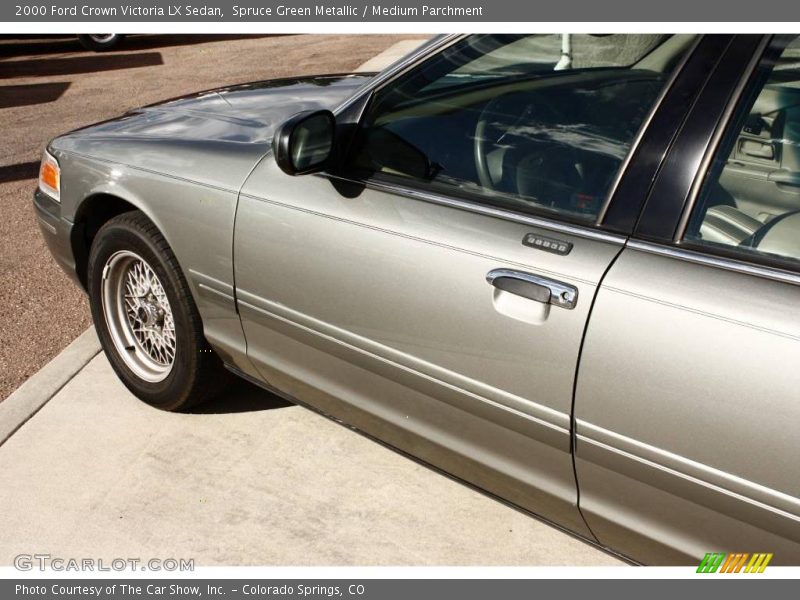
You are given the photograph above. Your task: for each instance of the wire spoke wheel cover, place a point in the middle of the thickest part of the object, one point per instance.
(138, 316)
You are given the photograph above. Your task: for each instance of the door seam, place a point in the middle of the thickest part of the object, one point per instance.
(573, 438)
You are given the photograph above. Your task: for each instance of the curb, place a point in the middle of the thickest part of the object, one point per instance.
(392, 54)
(38, 389)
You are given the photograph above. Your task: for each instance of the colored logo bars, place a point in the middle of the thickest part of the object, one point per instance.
(734, 563)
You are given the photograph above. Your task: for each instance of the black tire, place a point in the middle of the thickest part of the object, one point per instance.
(196, 372)
(100, 42)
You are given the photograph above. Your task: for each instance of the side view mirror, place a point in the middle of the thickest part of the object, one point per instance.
(304, 143)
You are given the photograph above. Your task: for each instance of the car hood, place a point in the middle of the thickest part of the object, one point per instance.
(245, 113)
(216, 134)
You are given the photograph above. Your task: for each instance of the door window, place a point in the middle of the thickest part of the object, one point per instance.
(535, 123)
(749, 204)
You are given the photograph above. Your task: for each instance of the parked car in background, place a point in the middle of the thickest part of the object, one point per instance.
(571, 283)
(100, 42)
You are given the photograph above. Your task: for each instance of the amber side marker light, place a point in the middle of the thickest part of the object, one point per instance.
(50, 177)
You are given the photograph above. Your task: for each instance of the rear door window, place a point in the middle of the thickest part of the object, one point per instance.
(749, 204)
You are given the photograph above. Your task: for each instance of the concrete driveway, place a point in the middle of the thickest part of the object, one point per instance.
(250, 480)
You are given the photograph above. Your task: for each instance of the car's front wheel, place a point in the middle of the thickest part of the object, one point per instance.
(146, 318)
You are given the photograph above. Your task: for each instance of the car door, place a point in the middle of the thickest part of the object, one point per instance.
(432, 290)
(687, 394)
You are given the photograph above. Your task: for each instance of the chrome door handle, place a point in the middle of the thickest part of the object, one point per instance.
(534, 287)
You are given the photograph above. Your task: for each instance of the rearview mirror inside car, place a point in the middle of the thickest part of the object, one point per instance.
(304, 143)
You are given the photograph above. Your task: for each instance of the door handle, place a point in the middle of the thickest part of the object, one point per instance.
(785, 177)
(534, 287)
(757, 149)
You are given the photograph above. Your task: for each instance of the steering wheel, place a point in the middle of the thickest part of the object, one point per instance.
(503, 115)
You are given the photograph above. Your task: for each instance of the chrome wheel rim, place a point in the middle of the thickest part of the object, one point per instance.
(138, 316)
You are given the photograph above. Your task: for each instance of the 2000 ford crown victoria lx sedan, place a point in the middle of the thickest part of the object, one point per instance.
(569, 280)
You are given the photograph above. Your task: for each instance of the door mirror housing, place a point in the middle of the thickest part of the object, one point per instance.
(304, 143)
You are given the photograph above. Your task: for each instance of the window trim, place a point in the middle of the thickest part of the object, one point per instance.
(679, 166)
(719, 133)
(387, 76)
(357, 105)
(694, 254)
(631, 197)
(586, 230)
(640, 135)
(766, 266)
